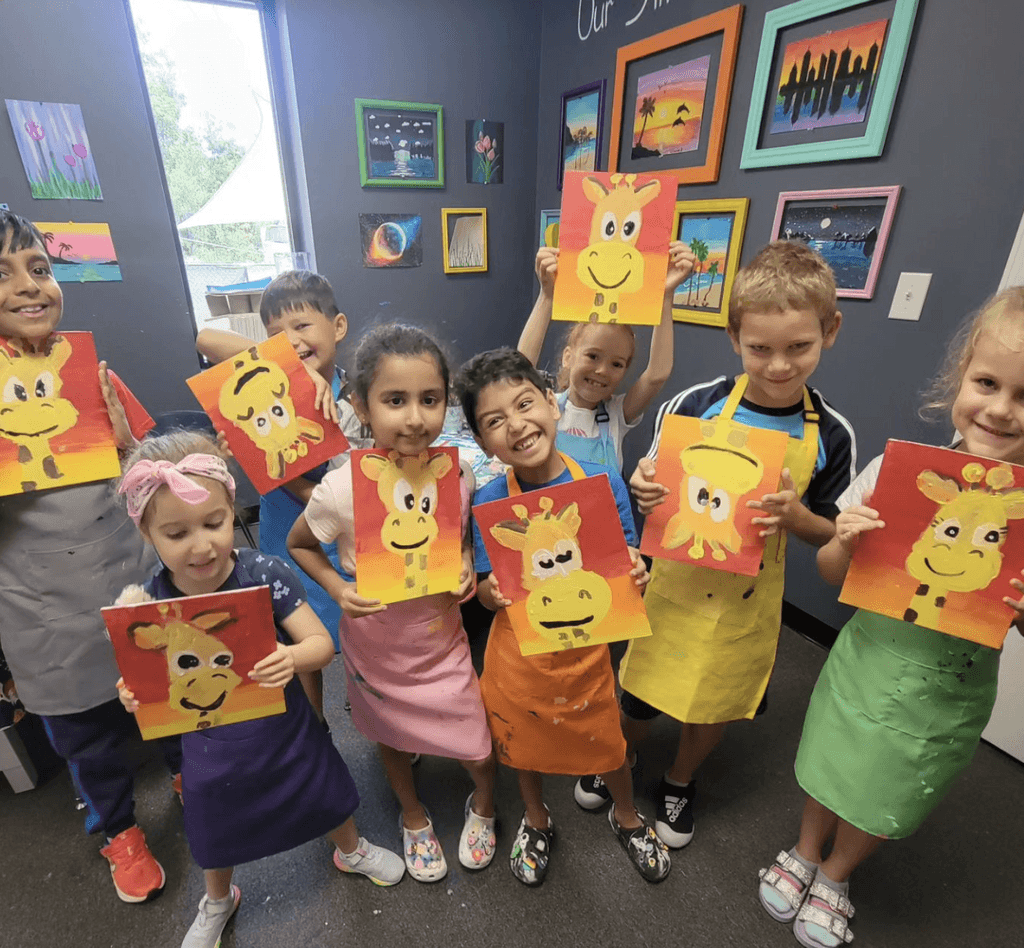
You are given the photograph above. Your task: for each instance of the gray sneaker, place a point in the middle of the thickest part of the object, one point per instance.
(213, 916)
(379, 865)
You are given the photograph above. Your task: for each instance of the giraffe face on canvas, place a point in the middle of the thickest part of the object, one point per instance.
(565, 601)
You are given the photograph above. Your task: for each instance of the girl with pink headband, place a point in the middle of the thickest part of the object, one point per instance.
(254, 788)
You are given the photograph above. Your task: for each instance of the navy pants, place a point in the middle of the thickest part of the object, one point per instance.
(96, 745)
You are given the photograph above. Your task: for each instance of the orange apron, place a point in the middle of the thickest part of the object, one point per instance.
(716, 633)
(554, 713)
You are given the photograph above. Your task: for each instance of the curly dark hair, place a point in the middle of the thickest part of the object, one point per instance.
(495, 365)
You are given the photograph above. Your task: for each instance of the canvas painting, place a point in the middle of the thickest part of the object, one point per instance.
(464, 234)
(80, 253)
(549, 227)
(560, 555)
(188, 660)
(54, 427)
(485, 151)
(827, 80)
(613, 239)
(582, 123)
(391, 240)
(55, 150)
(669, 108)
(713, 467)
(408, 522)
(953, 538)
(263, 400)
(708, 236)
(401, 144)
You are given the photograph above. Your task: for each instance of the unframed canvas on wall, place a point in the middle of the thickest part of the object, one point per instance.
(671, 99)
(579, 146)
(826, 81)
(401, 144)
(80, 253)
(485, 151)
(391, 240)
(849, 227)
(54, 149)
(464, 232)
(713, 230)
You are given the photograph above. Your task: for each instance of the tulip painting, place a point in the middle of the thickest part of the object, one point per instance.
(485, 151)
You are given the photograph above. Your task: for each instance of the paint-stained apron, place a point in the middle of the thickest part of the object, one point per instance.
(554, 713)
(716, 633)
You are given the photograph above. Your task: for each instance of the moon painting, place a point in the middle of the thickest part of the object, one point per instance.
(391, 240)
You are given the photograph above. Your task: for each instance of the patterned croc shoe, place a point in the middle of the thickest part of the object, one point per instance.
(478, 840)
(424, 857)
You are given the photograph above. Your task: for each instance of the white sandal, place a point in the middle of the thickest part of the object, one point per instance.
(825, 909)
(788, 878)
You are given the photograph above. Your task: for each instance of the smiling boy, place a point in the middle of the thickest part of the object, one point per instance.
(551, 713)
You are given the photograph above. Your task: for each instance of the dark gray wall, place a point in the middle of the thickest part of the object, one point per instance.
(55, 51)
(952, 147)
(478, 60)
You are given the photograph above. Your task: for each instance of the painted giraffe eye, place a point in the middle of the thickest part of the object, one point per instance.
(719, 507)
(279, 415)
(185, 661)
(261, 423)
(609, 225)
(428, 499)
(44, 387)
(568, 557)
(543, 564)
(987, 534)
(15, 391)
(948, 530)
(631, 226)
(223, 660)
(404, 496)
(697, 493)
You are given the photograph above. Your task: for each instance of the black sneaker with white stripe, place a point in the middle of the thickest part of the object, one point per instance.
(592, 793)
(674, 823)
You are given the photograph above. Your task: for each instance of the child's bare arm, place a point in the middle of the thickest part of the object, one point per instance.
(531, 340)
(659, 364)
(311, 650)
(834, 557)
(216, 345)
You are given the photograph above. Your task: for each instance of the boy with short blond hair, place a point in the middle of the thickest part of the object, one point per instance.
(715, 633)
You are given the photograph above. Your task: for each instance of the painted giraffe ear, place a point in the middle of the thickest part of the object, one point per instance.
(148, 635)
(594, 190)
(648, 191)
(1014, 504)
(374, 466)
(569, 517)
(439, 465)
(936, 487)
(211, 621)
(510, 534)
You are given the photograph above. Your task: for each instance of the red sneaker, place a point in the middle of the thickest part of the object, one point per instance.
(137, 875)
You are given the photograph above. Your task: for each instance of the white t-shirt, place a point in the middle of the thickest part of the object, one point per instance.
(583, 422)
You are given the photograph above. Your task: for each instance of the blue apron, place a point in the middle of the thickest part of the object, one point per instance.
(599, 450)
(279, 509)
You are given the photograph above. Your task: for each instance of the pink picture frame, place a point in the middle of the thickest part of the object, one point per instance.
(849, 227)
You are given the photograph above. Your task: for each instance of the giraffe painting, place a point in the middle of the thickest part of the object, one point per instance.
(961, 549)
(32, 411)
(565, 602)
(408, 488)
(611, 265)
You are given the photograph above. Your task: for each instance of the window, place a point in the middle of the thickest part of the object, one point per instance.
(206, 69)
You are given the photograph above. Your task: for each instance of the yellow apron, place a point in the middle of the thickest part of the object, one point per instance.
(716, 633)
(553, 713)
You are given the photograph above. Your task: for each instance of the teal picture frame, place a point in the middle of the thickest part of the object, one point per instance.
(407, 167)
(890, 72)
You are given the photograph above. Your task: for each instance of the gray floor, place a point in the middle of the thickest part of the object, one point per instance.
(957, 881)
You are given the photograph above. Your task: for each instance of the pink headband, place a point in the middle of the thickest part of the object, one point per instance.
(146, 477)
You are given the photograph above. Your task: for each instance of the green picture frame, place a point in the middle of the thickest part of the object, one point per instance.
(401, 144)
(835, 146)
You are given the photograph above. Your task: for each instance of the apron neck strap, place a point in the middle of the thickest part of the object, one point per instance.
(733, 401)
(514, 490)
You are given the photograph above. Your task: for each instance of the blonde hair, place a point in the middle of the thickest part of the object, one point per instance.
(572, 339)
(1004, 309)
(784, 275)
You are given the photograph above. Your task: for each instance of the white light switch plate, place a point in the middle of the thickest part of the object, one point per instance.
(908, 301)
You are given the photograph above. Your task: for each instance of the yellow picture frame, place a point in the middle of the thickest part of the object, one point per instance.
(465, 248)
(719, 224)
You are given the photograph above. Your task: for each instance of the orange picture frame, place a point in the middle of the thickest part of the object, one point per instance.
(726, 22)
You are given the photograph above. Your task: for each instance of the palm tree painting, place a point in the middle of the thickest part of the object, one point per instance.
(80, 252)
(708, 237)
(646, 110)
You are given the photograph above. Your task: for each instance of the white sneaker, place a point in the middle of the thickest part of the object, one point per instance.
(213, 916)
(379, 865)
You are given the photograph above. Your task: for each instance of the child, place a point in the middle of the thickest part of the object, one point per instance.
(411, 682)
(715, 633)
(514, 415)
(594, 359)
(300, 304)
(257, 787)
(64, 553)
(873, 767)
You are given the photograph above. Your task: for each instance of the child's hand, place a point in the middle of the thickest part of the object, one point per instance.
(1017, 605)
(639, 571)
(646, 490)
(493, 592)
(546, 268)
(276, 670)
(467, 578)
(324, 400)
(127, 697)
(783, 508)
(222, 443)
(355, 606)
(115, 411)
(681, 261)
(854, 521)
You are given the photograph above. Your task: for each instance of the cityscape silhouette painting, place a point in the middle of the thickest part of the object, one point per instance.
(828, 80)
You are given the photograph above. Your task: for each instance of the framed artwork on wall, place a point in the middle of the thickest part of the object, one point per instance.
(826, 80)
(582, 127)
(549, 219)
(401, 144)
(671, 99)
(713, 230)
(464, 233)
(849, 227)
